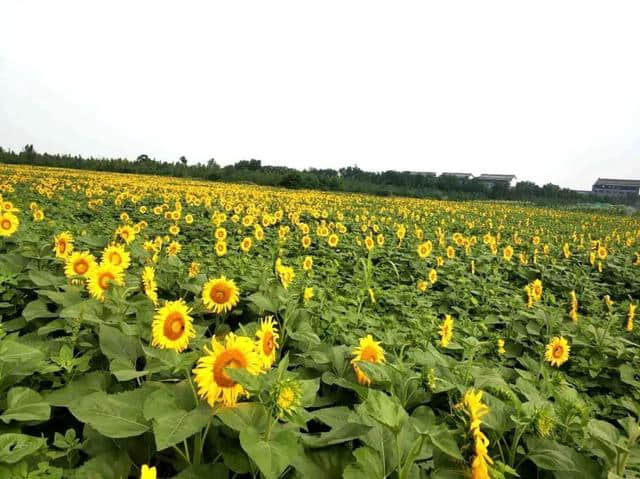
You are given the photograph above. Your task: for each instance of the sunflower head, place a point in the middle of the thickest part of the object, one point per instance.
(307, 263)
(245, 245)
(126, 233)
(267, 341)
(507, 253)
(63, 244)
(446, 331)
(367, 350)
(214, 384)
(557, 351)
(220, 294)
(116, 256)
(308, 293)
(288, 396)
(172, 326)
(101, 277)
(8, 224)
(147, 472)
(79, 263)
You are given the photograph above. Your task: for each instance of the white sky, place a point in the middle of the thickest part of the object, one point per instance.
(549, 91)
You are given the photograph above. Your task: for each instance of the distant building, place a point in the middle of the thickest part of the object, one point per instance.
(611, 187)
(582, 192)
(462, 176)
(422, 173)
(490, 180)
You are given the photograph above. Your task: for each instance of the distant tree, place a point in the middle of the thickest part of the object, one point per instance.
(183, 160)
(212, 163)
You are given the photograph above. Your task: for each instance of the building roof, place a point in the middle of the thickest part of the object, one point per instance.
(459, 175)
(423, 173)
(490, 177)
(614, 182)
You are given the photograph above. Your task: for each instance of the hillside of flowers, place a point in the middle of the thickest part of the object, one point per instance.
(155, 327)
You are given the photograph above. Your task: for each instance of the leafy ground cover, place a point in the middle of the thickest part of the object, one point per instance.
(158, 327)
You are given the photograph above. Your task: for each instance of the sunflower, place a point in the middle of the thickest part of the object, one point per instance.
(333, 240)
(602, 252)
(38, 215)
(258, 232)
(308, 293)
(101, 277)
(267, 341)
(8, 224)
(368, 243)
(536, 290)
(446, 331)
(306, 241)
(631, 314)
(172, 326)
(174, 230)
(221, 248)
(116, 256)
(63, 244)
(507, 253)
(380, 239)
(501, 350)
(286, 275)
(220, 234)
(220, 294)
(148, 472)
(288, 396)
(307, 263)
(194, 269)
(214, 384)
(422, 285)
(451, 253)
(370, 351)
(433, 276)
(245, 245)
(424, 249)
(149, 283)
(126, 233)
(557, 351)
(174, 248)
(79, 263)
(566, 251)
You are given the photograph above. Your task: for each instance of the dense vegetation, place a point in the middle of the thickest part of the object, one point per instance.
(348, 179)
(171, 328)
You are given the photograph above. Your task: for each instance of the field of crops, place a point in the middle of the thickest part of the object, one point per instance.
(158, 327)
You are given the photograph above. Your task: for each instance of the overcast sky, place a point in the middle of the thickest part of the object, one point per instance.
(548, 91)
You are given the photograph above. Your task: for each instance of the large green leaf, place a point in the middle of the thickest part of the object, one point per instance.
(243, 416)
(368, 464)
(24, 404)
(177, 425)
(90, 383)
(113, 415)
(385, 409)
(37, 309)
(15, 447)
(271, 456)
(116, 345)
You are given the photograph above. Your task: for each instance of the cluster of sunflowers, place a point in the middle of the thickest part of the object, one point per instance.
(236, 277)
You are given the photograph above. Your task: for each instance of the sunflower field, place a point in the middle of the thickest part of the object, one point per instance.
(166, 328)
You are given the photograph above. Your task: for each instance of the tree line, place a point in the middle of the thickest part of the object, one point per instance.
(348, 179)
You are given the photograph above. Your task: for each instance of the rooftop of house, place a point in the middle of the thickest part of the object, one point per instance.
(614, 182)
(491, 177)
(461, 175)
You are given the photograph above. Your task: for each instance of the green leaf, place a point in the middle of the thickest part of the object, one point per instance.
(326, 462)
(446, 442)
(274, 456)
(116, 415)
(385, 409)
(337, 435)
(24, 404)
(45, 278)
(177, 425)
(116, 345)
(124, 370)
(18, 359)
(37, 309)
(15, 447)
(217, 471)
(243, 416)
(92, 382)
(368, 464)
(552, 456)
